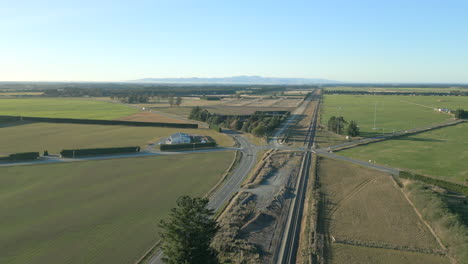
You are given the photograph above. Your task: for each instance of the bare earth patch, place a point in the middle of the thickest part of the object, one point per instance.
(255, 219)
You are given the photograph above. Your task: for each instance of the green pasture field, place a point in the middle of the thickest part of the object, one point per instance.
(64, 108)
(393, 113)
(25, 137)
(96, 211)
(396, 89)
(440, 153)
(451, 102)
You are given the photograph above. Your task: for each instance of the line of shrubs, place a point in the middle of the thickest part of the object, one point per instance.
(187, 146)
(73, 153)
(21, 156)
(103, 122)
(446, 223)
(444, 184)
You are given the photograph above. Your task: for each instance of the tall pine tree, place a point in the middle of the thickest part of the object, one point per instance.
(187, 235)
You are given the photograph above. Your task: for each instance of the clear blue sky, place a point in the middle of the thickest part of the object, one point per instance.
(358, 41)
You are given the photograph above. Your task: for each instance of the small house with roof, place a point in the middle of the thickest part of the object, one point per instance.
(178, 138)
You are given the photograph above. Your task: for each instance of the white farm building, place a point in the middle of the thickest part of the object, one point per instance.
(178, 138)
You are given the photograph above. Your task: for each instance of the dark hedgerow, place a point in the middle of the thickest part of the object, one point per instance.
(71, 153)
(187, 146)
(21, 156)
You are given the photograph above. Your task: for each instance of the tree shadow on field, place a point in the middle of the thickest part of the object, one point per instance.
(15, 123)
(419, 139)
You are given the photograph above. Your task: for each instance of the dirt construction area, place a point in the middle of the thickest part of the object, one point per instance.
(366, 219)
(254, 220)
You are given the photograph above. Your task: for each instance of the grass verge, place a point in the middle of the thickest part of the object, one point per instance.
(447, 225)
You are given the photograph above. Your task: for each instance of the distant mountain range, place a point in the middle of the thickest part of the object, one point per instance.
(236, 80)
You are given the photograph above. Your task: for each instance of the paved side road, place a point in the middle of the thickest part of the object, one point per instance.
(399, 133)
(56, 159)
(381, 168)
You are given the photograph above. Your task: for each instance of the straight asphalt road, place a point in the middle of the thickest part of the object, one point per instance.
(57, 159)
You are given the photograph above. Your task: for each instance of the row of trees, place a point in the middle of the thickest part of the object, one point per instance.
(258, 124)
(133, 99)
(147, 89)
(340, 126)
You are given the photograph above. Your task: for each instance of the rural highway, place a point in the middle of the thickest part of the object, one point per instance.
(289, 244)
(232, 183)
(279, 134)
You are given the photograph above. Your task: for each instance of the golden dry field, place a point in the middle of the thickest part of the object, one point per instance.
(365, 208)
